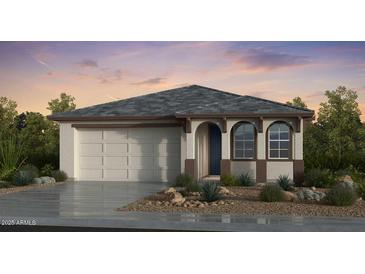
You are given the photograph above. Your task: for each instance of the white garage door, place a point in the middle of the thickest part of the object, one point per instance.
(129, 154)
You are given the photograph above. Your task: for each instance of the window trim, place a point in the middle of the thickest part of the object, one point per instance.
(233, 153)
(290, 143)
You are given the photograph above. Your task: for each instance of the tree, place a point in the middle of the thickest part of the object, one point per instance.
(8, 113)
(62, 104)
(39, 138)
(336, 140)
(297, 102)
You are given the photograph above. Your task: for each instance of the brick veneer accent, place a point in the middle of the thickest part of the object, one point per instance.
(225, 167)
(298, 172)
(261, 171)
(190, 167)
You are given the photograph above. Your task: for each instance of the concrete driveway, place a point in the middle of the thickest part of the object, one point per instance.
(75, 199)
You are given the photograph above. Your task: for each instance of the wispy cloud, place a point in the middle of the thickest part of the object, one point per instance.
(108, 76)
(88, 63)
(151, 81)
(263, 59)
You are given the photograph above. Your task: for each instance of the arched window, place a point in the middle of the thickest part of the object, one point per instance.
(244, 141)
(279, 141)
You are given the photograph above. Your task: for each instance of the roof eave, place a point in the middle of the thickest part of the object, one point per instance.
(247, 115)
(106, 118)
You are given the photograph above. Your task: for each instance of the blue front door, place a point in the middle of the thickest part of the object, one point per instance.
(215, 150)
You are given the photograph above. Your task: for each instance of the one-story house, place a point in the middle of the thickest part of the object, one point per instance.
(195, 130)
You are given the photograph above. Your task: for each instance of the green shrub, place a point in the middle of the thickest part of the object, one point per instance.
(271, 193)
(46, 170)
(23, 177)
(193, 187)
(183, 180)
(341, 195)
(59, 175)
(285, 183)
(7, 174)
(4, 184)
(245, 179)
(319, 178)
(210, 191)
(229, 180)
(32, 169)
(11, 157)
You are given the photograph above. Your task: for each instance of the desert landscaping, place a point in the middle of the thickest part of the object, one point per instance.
(247, 200)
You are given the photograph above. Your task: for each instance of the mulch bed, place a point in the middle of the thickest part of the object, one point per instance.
(245, 201)
(13, 189)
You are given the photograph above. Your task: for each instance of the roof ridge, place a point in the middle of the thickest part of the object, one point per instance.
(278, 103)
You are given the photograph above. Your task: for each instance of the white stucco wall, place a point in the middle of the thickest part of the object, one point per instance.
(67, 149)
(240, 167)
(275, 169)
(183, 150)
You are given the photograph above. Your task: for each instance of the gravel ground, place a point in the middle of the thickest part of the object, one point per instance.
(244, 200)
(13, 189)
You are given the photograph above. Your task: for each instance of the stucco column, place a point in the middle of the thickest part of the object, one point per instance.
(226, 153)
(190, 163)
(261, 163)
(298, 162)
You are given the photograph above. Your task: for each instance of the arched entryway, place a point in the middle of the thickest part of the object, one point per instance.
(208, 140)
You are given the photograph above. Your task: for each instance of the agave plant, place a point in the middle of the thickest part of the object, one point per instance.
(210, 191)
(11, 158)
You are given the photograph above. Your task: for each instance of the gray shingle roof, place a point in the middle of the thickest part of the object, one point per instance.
(190, 100)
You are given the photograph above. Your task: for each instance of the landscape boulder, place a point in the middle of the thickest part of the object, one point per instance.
(47, 180)
(307, 194)
(224, 191)
(170, 190)
(346, 181)
(290, 196)
(175, 198)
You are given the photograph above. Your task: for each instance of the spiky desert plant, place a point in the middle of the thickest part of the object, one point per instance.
(11, 157)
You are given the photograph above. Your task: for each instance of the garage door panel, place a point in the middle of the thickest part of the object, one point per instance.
(167, 149)
(115, 149)
(141, 149)
(166, 174)
(91, 149)
(141, 175)
(90, 136)
(166, 163)
(140, 162)
(115, 136)
(115, 174)
(115, 162)
(91, 174)
(91, 162)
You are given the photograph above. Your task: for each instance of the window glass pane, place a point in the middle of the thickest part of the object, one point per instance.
(274, 136)
(238, 134)
(275, 127)
(283, 127)
(239, 144)
(284, 135)
(248, 145)
(249, 153)
(284, 153)
(274, 153)
(248, 136)
(274, 145)
(284, 144)
(238, 153)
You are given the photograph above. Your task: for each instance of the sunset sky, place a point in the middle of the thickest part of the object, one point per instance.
(33, 73)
